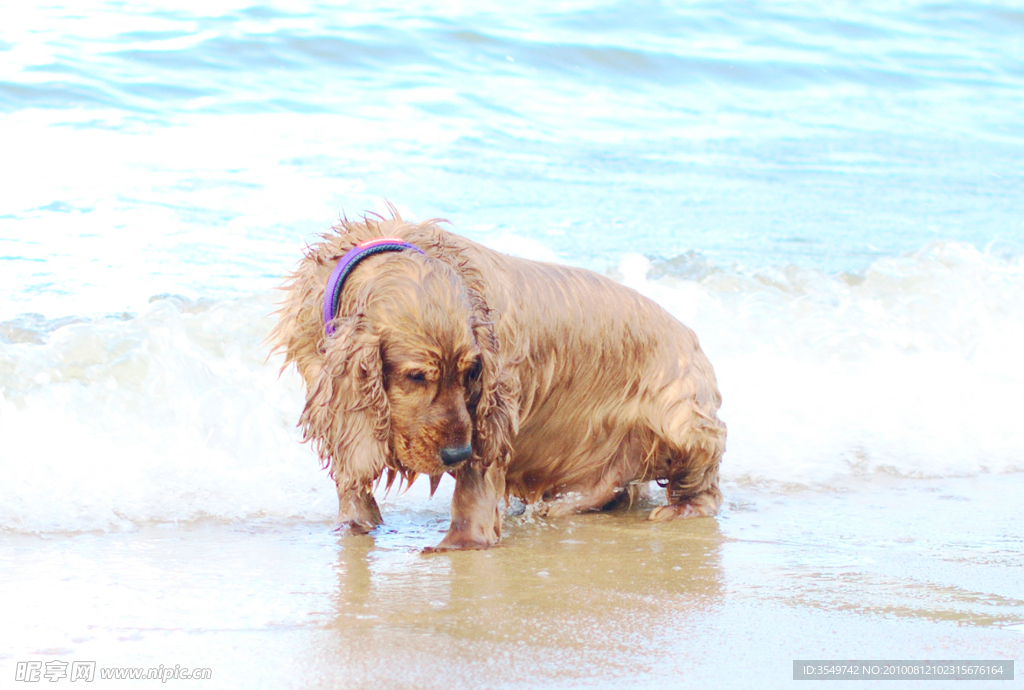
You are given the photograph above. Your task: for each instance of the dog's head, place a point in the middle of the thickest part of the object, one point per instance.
(410, 379)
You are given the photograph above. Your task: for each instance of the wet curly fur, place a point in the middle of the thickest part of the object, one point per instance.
(550, 383)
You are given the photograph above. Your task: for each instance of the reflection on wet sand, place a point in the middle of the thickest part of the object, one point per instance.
(892, 570)
(560, 598)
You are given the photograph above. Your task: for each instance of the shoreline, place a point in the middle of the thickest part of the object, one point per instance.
(906, 569)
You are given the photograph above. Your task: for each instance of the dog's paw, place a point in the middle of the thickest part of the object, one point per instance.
(459, 543)
(352, 527)
(679, 510)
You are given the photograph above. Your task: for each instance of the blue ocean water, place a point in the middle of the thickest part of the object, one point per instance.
(830, 193)
(188, 147)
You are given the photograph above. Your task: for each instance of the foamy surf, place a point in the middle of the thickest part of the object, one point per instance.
(910, 369)
(168, 415)
(176, 413)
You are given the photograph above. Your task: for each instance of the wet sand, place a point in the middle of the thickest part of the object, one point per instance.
(887, 569)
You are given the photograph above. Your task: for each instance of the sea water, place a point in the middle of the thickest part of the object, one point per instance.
(829, 194)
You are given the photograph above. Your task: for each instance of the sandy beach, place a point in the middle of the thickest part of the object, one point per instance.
(888, 569)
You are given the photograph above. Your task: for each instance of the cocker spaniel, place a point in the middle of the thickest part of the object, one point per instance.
(425, 353)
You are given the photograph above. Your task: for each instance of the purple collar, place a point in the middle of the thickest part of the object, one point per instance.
(347, 263)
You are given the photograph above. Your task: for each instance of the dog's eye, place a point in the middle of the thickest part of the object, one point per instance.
(474, 372)
(416, 377)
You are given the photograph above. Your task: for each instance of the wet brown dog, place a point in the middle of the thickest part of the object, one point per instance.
(549, 383)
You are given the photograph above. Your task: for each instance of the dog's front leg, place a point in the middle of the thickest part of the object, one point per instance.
(357, 510)
(476, 509)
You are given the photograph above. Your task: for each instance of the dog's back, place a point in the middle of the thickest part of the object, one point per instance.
(612, 387)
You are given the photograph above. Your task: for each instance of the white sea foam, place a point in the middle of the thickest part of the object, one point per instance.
(168, 415)
(911, 369)
(174, 414)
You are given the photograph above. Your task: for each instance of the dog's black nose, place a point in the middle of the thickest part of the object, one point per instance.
(453, 456)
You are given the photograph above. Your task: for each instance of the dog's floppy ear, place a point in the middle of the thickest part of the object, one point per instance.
(346, 415)
(497, 412)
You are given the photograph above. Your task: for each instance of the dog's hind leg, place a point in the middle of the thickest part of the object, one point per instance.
(691, 484)
(611, 490)
(357, 510)
(600, 479)
(703, 504)
(476, 509)
(595, 498)
(689, 470)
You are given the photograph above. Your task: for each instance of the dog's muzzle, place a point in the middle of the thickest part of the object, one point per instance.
(453, 456)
